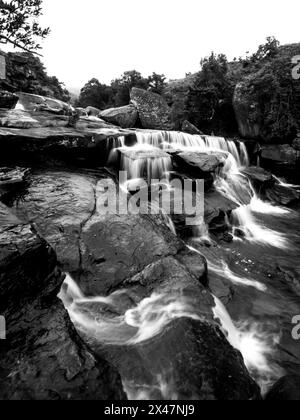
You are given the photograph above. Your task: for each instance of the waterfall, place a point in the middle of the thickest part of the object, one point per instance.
(145, 162)
(148, 159)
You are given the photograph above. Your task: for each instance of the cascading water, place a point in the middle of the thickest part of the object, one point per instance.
(136, 325)
(256, 346)
(230, 181)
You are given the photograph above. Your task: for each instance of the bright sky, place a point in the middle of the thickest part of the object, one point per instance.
(104, 38)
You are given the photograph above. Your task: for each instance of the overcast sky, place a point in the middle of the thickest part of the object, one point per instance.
(104, 38)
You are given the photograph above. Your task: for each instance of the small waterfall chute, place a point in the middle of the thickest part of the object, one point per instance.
(256, 346)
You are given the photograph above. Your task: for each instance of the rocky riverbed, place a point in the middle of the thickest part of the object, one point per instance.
(148, 307)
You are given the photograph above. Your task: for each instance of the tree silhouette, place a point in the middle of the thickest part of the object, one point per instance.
(19, 26)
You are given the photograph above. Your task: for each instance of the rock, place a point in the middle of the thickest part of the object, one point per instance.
(281, 194)
(296, 143)
(10, 176)
(25, 120)
(286, 389)
(52, 362)
(11, 179)
(60, 203)
(92, 111)
(8, 100)
(29, 102)
(283, 154)
(190, 128)
(217, 207)
(125, 117)
(106, 257)
(154, 112)
(199, 162)
(258, 176)
(82, 112)
(29, 132)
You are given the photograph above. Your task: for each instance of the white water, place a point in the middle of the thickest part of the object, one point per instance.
(147, 320)
(256, 346)
(230, 182)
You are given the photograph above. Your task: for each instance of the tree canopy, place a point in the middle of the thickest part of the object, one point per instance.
(19, 26)
(117, 94)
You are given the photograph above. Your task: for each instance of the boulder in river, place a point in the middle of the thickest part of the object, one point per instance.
(154, 112)
(199, 163)
(42, 357)
(125, 116)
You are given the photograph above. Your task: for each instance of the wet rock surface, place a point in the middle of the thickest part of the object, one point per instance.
(132, 259)
(42, 356)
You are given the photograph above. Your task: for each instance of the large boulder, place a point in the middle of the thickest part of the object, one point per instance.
(30, 102)
(154, 112)
(8, 100)
(125, 116)
(42, 357)
(92, 111)
(199, 163)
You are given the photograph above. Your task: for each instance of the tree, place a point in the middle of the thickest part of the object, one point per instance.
(157, 83)
(209, 102)
(123, 86)
(96, 94)
(18, 24)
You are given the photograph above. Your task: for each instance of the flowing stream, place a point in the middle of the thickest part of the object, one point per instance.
(259, 270)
